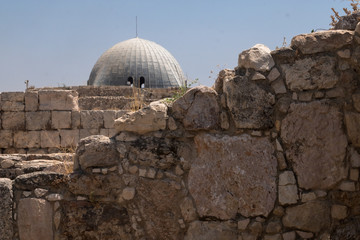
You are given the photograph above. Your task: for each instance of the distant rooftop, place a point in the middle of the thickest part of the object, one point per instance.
(137, 62)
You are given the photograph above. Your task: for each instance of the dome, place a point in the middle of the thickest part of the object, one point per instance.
(137, 62)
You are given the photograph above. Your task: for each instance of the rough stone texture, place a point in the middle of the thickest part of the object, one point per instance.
(338, 211)
(35, 219)
(148, 119)
(30, 139)
(92, 119)
(288, 194)
(107, 221)
(58, 100)
(60, 119)
(69, 138)
(13, 120)
(352, 122)
(315, 144)
(348, 230)
(356, 100)
(210, 231)
(273, 75)
(249, 105)
(223, 75)
(311, 73)
(12, 106)
(188, 210)
(31, 101)
(321, 41)
(95, 151)
(50, 139)
(279, 86)
(311, 216)
(233, 185)
(6, 202)
(6, 139)
(198, 109)
(348, 22)
(12, 96)
(38, 120)
(258, 57)
(354, 158)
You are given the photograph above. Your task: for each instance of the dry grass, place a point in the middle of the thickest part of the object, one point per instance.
(138, 99)
(355, 5)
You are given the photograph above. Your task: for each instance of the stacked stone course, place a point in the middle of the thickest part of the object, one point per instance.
(270, 152)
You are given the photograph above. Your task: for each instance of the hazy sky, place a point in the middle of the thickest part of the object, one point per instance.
(56, 43)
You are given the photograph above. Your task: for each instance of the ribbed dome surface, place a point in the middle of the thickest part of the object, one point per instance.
(138, 61)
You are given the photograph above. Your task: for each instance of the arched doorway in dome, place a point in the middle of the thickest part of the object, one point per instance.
(142, 82)
(130, 81)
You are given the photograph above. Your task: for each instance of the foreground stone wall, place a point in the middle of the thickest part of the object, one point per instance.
(54, 120)
(270, 152)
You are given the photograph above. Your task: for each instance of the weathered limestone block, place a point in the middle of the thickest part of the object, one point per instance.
(198, 108)
(58, 100)
(110, 116)
(6, 138)
(148, 119)
(13, 120)
(288, 193)
(210, 231)
(75, 119)
(6, 202)
(50, 139)
(249, 105)
(96, 151)
(35, 219)
(159, 200)
(38, 179)
(223, 75)
(69, 138)
(233, 175)
(352, 122)
(60, 119)
(188, 210)
(315, 144)
(12, 96)
(88, 132)
(322, 41)
(258, 57)
(311, 73)
(38, 120)
(311, 216)
(31, 101)
(278, 86)
(12, 106)
(28, 139)
(92, 119)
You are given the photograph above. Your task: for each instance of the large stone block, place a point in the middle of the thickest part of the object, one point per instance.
(58, 100)
(92, 119)
(60, 119)
(250, 106)
(311, 216)
(352, 122)
(210, 231)
(110, 116)
(12, 96)
(35, 219)
(28, 139)
(147, 119)
(13, 120)
(311, 73)
(198, 109)
(50, 139)
(38, 120)
(96, 151)
(258, 57)
(233, 174)
(315, 144)
(88, 132)
(69, 138)
(6, 138)
(322, 41)
(6, 206)
(12, 106)
(31, 101)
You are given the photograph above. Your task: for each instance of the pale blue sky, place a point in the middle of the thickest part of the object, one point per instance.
(52, 43)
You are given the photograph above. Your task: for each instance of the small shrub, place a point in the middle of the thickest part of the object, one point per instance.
(355, 5)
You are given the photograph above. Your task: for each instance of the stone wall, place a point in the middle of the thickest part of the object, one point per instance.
(52, 120)
(270, 152)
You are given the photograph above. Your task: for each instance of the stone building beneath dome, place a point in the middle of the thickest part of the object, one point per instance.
(137, 62)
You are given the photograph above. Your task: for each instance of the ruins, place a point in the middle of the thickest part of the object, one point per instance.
(271, 151)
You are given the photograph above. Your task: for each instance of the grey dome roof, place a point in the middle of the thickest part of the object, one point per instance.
(138, 61)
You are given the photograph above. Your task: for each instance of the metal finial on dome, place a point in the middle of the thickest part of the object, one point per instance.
(137, 62)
